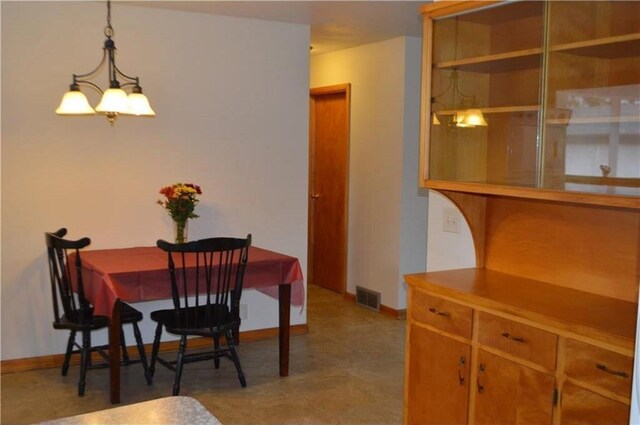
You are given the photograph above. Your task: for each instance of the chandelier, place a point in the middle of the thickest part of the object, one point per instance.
(467, 114)
(115, 101)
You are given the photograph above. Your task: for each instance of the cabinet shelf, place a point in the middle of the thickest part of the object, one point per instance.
(500, 62)
(630, 182)
(494, 110)
(594, 120)
(620, 46)
(607, 196)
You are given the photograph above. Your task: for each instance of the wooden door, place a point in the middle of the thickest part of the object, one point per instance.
(438, 384)
(328, 186)
(508, 393)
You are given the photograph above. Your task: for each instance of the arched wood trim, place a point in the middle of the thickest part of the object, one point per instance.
(473, 208)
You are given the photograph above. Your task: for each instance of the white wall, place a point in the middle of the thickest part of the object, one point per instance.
(413, 245)
(446, 250)
(231, 97)
(384, 202)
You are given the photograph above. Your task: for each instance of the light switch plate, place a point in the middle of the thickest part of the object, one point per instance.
(451, 220)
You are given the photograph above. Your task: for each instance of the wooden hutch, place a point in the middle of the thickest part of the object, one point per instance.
(531, 127)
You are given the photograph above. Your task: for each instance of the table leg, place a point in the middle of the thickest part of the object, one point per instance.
(284, 303)
(114, 355)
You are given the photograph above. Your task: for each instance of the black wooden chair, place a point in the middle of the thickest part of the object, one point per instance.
(67, 291)
(206, 285)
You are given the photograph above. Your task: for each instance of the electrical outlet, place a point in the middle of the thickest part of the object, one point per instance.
(450, 220)
(244, 312)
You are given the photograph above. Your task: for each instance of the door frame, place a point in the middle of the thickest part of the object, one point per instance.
(314, 92)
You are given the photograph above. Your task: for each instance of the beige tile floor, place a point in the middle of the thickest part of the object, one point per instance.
(346, 370)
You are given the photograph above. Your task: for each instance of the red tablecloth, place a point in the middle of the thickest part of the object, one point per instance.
(141, 274)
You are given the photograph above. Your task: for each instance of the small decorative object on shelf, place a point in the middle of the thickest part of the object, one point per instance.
(605, 170)
(180, 202)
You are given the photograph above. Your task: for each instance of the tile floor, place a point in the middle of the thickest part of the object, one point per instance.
(347, 370)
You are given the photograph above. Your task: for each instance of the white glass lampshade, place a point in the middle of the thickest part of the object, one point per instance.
(472, 118)
(114, 101)
(139, 105)
(74, 102)
(435, 120)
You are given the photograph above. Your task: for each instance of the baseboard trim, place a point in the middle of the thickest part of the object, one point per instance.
(392, 312)
(55, 360)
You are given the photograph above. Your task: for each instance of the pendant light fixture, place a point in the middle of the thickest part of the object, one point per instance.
(115, 100)
(467, 114)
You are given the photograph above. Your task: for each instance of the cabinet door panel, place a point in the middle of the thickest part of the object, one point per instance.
(438, 381)
(508, 393)
(583, 407)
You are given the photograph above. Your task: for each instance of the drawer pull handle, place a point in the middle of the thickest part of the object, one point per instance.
(620, 373)
(461, 366)
(439, 313)
(480, 373)
(513, 338)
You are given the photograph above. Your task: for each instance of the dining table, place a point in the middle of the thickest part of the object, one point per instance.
(139, 274)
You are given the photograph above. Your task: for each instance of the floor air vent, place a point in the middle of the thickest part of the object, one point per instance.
(368, 298)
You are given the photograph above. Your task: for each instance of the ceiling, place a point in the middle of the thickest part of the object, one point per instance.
(334, 24)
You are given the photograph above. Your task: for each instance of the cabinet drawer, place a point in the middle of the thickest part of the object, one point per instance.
(599, 367)
(525, 342)
(442, 314)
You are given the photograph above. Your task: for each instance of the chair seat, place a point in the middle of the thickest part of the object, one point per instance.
(195, 320)
(96, 322)
(128, 314)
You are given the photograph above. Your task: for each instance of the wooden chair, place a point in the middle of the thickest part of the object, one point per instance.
(206, 284)
(74, 313)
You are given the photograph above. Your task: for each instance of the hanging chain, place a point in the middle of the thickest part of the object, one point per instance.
(108, 30)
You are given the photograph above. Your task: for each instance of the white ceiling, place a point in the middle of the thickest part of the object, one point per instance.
(334, 24)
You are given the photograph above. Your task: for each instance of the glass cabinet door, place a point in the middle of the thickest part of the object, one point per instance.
(592, 108)
(486, 95)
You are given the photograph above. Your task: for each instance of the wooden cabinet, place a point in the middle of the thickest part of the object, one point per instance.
(438, 358)
(600, 369)
(533, 96)
(488, 61)
(597, 386)
(531, 127)
(485, 347)
(593, 97)
(583, 407)
(509, 393)
(438, 384)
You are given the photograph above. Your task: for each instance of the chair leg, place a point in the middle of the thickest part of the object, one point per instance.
(85, 358)
(141, 353)
(216, 347)
(67, 354)
(155, 349)
(179, 364)
(234, 356)
(123, 344)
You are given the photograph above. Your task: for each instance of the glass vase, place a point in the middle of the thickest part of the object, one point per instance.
(181, 231)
